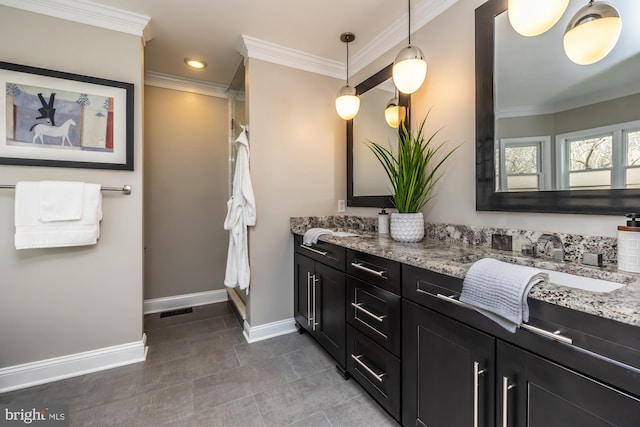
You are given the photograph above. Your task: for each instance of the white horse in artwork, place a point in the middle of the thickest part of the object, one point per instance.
(46, 130)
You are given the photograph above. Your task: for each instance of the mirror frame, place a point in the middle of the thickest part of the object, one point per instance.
(595, 202)
(403, 99)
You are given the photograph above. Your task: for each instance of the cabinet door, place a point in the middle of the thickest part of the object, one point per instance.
(535, 392)
(328, 306)
(447, 371)
(303, 272)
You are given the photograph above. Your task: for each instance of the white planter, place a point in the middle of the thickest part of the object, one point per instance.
(407, 227)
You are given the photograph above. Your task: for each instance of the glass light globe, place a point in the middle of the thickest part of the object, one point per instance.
(592, 33)
(534, 17)
(409, 69)
(347, 102)
(394, 114)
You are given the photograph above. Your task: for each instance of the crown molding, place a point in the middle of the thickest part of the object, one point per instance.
(423, 12)
(199, 87)
(271, 52)
(86, 12)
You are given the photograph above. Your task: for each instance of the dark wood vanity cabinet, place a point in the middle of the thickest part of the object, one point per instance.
(461, 369)
(535, 392)
(374, 327)
(319, 296)
(448, 371)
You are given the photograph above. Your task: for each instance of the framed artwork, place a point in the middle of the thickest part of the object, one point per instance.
(53, 118)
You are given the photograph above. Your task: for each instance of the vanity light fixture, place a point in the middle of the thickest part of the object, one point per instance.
(394, 113)
(534, 17)
(347, 102)
(592, 33)
(195, 63)
(410, 67)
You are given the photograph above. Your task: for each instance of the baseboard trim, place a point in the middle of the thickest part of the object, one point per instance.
(59, 368)
(268, 330)
(156, 305)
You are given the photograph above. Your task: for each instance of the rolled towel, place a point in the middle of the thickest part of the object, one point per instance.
(499, 290)
(312, 234)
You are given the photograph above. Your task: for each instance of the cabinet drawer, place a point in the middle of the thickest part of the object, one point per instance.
(374, 312)
(377, 370)
(422, 286)
(373, 269)
(326, 253)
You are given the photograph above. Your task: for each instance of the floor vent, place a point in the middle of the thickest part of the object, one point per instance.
(176, 312)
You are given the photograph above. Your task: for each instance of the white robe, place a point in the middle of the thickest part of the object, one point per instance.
(241, 212)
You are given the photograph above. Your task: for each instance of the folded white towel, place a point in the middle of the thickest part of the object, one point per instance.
(31, 232)
(60, 200)
(499, 290)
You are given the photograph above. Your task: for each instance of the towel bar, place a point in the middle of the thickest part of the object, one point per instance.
(125, 189)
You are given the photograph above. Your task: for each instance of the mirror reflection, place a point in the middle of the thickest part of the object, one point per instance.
(369, 178)
(563, 126)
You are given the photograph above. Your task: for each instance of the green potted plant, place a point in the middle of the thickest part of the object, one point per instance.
(413, 173)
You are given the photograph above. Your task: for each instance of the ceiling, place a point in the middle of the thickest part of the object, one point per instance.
(213, 29)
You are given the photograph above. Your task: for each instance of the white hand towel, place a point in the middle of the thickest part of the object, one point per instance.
(312, 234)
(60, 200)
(499, 290)
(31, 232)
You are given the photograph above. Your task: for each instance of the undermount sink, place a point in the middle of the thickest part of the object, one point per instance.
(558, 277)
(581, 282)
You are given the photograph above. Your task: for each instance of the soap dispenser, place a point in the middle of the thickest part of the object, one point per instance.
(383, 222)
(629, 244)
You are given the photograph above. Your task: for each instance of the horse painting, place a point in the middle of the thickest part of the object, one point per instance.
(42, 130)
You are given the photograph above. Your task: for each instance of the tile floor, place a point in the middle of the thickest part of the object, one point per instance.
(201, 372)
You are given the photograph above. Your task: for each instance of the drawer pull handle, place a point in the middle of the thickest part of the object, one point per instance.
(368, 369)
(358, 306)
(359, 266)
(553, 335)
(309, 248)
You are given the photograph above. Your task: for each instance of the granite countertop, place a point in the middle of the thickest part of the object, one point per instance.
(454, 259)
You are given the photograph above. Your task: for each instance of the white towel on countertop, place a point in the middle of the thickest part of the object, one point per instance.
(32, 232)
(311, 235)
(499, 290)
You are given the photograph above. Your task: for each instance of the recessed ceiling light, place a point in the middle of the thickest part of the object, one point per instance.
(195, 63)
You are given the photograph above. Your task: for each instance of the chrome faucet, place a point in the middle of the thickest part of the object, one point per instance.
(557, 253)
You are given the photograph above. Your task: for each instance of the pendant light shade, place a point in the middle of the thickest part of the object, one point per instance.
(347, 102)
(592, 33)
(394, 113)
(410, 67)
(534, 17)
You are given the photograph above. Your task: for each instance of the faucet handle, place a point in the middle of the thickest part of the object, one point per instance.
(528, 250)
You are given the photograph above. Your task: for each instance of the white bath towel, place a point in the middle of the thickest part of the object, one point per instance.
(31, 232)
(60, 200)
(499, 290)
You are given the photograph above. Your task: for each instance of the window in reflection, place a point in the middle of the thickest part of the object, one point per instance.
(525, 164)
(600, 158)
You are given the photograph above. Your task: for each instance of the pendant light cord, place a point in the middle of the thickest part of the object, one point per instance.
(409, 15)
(347, 62)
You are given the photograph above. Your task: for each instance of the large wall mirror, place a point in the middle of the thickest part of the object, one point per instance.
(367, 183)
(551, 135)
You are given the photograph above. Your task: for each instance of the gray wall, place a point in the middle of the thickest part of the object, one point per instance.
(297, 167)
(56, 302)
(186, 161)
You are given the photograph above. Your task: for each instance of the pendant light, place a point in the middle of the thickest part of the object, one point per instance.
(410, 67)
(592, 33)
(394, 113)
(534, 17)
(347, 102)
